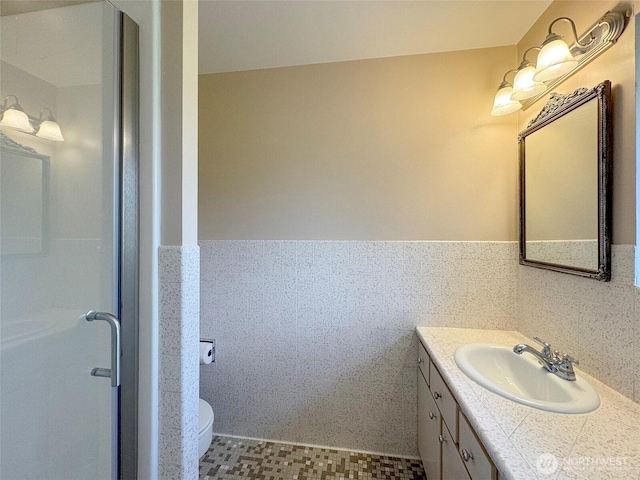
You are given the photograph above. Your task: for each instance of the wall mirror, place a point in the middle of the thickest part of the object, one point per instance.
(24, 199)
(565, 185)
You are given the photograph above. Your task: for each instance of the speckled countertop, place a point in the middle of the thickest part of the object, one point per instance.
(604, 444)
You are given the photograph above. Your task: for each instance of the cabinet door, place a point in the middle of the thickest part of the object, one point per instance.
(423, 361)
(445, 401)
(428, 430)
(452, 466)
(477, 461)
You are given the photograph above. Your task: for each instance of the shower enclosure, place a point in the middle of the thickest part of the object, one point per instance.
(68, 241)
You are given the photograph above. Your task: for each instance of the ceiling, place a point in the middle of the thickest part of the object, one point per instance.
(16, 7)
(247, 34)
(62, 46)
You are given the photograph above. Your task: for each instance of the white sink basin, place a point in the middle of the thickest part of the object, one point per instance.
(522, 379)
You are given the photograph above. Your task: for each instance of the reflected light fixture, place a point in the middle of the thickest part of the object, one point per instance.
(524, 86)
(555, 59)
(14, 116)
(49, 128)
(503, 102)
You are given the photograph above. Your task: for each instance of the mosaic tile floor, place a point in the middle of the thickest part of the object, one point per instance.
(236, 458)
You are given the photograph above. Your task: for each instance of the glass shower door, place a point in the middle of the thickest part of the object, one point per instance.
(58, 242)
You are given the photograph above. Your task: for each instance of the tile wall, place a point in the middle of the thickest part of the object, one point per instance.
(636, 350)
(179, 272)
(596, 322)
(315, 340)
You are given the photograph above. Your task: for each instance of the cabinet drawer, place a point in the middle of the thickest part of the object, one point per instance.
(423, 361)
(445, 401)
(476, 460)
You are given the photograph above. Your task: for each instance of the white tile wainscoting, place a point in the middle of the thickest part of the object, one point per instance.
(596, 322)
(178, 272)
(315, 340)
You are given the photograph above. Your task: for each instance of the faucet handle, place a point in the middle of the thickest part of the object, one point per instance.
(569, 359)
(565, 367)
(546, 351)
(542, 342)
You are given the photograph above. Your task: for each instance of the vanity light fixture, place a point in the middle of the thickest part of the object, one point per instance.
(557, 61)
(524, 86)
(49, 128)
(504, 102)
(13, 116)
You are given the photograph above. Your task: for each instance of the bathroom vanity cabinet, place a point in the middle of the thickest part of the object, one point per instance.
(448, 446)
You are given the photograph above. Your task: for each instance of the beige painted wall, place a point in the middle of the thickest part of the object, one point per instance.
(399, 148)
(616, 64)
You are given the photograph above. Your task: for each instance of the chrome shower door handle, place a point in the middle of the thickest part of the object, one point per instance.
(114, 323)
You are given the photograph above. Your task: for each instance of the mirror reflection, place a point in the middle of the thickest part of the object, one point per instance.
(24, 187)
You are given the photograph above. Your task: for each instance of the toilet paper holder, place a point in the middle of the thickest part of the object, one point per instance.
(212, 341)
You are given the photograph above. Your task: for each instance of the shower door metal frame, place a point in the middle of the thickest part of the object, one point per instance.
(126, 130)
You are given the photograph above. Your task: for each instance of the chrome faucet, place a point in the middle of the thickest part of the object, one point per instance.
(553, 361)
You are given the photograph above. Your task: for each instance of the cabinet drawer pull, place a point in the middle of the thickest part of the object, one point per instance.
(420, 361)
(441, 439)
(436, 395)
(466, 456)
(432, 415)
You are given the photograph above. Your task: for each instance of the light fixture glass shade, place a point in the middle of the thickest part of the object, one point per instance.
(554, 60)
(524, 86)
(503, 104)
(16, 119)
(50, 130)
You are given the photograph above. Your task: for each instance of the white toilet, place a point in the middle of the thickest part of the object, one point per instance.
(205, 428)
